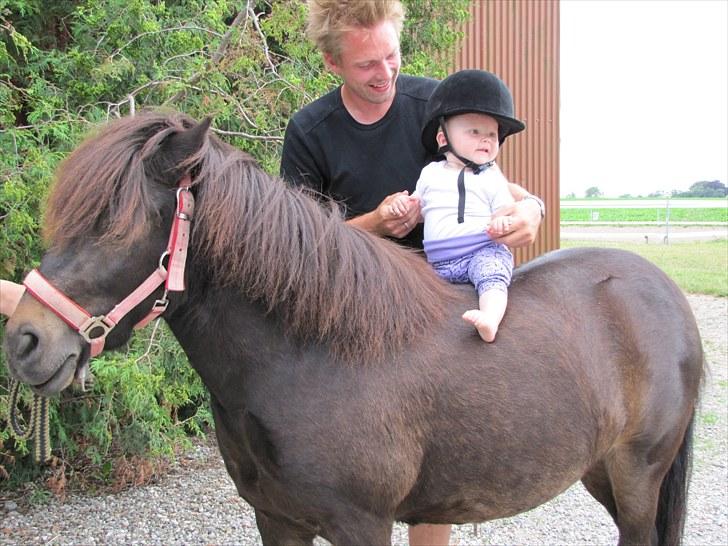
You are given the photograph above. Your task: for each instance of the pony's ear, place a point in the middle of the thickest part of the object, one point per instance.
(187, 143)
(169, 162)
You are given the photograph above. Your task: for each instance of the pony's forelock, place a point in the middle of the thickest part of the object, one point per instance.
(104, 180)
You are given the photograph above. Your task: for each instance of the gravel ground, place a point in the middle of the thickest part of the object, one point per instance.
(197, 503)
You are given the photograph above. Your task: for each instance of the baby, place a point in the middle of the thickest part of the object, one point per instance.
(469, 115)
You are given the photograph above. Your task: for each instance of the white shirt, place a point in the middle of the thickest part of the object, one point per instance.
(437, 187)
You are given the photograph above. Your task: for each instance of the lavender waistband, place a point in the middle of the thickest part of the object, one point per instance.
(456, 247)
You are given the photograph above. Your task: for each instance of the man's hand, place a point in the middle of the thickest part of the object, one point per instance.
(525, 221)
(395, 216)
(10, 294)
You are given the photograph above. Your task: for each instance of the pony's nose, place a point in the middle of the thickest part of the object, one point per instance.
(26, 344)
(21, 346)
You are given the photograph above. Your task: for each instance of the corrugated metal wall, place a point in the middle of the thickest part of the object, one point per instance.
(519, 41)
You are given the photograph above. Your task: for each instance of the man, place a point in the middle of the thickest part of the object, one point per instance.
(361, 145)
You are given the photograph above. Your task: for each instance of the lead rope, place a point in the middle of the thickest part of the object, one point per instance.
(38, 423)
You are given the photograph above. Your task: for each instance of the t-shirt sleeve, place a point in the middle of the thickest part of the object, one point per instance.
(298, 166)
(502, 195)
(421, 186)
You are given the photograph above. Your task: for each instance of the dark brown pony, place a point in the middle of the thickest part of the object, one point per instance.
(347, 391)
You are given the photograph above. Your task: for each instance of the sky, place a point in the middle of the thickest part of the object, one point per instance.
(644, 95)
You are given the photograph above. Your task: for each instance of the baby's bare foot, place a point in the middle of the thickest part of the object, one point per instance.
(477, 318)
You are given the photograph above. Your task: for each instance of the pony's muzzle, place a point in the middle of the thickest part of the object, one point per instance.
(41, 350)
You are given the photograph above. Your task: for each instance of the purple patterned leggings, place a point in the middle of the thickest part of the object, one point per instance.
(487, 269)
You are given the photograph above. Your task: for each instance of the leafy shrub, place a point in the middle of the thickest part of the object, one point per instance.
(68, 65)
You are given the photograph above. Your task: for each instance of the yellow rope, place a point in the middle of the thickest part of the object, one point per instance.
(38, 423)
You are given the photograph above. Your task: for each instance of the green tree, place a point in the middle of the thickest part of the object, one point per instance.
(592, 192)
(714, 188)
(68, 65)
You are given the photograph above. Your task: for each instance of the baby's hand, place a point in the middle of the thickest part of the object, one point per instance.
(401, 204)
(500, 225)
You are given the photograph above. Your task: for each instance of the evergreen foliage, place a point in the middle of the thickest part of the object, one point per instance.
(68, 65)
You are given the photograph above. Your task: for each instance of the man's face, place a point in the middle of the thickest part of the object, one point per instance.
(369, 63)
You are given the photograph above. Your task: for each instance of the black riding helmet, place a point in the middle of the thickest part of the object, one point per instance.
(469, 91)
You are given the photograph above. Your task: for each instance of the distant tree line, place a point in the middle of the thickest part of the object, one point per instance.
(713, 188)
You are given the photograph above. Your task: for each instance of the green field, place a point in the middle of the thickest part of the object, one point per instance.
(589, 215)
(698, 267)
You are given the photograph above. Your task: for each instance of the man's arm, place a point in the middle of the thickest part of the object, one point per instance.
(526, 215)
(385, 221)
(298, 164)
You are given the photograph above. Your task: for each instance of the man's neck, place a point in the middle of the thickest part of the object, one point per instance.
(363, 111)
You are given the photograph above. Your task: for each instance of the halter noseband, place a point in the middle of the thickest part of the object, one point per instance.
(94, 329)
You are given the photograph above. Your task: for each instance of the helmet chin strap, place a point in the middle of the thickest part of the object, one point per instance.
(477, 168)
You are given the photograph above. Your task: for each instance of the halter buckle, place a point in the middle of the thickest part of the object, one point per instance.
(179, 214)
(160, 306)
(91, 324)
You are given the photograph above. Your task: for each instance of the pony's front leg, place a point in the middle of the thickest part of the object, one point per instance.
(354, 529)
(282, 532)
(358, 528)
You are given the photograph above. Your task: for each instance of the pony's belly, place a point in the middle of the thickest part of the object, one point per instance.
(463, 511)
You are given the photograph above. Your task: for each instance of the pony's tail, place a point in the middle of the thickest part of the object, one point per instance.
(672, 504)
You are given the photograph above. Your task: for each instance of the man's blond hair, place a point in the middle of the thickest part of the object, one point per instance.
(329, 20)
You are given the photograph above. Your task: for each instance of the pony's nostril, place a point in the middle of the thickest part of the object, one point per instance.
(27, 343)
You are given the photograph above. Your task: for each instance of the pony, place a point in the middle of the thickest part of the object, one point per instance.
(346, 390)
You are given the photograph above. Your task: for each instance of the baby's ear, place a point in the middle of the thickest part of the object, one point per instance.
(440, 138)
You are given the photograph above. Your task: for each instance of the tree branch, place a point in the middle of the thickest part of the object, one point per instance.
(216, 57)
(266, 51)
(171, 29)
(265, 138)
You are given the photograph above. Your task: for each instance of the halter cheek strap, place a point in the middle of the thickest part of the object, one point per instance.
(179, 237)
(94, 329)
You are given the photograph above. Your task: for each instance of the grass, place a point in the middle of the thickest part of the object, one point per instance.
(644, 214)
(698, 267)
(709, 418)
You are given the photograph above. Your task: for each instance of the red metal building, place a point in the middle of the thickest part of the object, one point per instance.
(519, 41)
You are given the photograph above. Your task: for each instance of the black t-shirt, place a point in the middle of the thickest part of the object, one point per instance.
(326, 149)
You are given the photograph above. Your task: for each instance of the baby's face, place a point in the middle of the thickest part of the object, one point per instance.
(473, 136)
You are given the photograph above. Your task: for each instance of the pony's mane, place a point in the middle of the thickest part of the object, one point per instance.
(329, 282)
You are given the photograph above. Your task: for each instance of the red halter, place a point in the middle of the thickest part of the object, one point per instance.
(94, 329)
